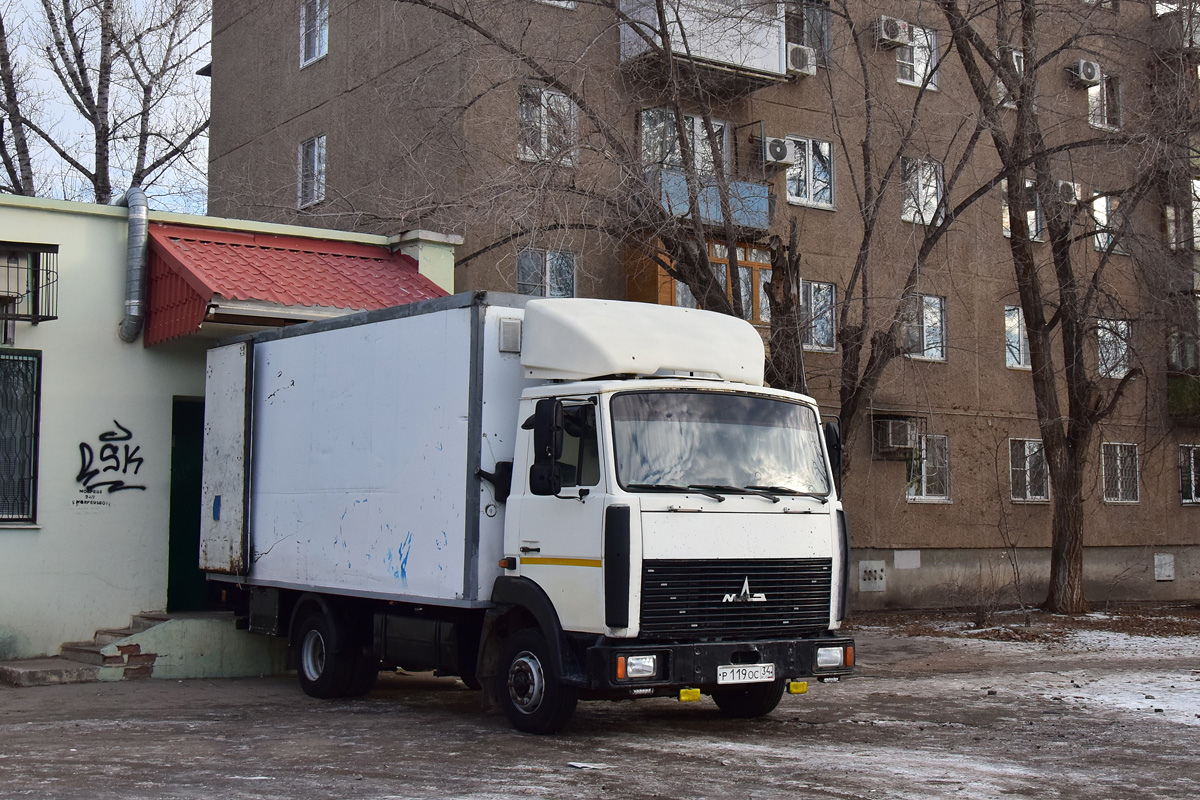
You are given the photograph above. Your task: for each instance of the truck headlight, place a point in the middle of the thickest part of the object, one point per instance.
(632, 667)
(829, 657)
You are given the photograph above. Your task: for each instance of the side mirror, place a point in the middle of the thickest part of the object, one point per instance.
(833, 443)
(544, 477)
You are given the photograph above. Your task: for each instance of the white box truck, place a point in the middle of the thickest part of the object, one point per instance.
(555, 499)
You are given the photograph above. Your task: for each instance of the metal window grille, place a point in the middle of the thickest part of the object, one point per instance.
(20, 401)
(28, 283)
(1120, 465)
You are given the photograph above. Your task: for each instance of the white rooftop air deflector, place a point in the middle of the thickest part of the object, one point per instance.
(577, 339)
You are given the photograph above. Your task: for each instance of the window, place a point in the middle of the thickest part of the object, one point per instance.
(546, 273)
(922, 190)
(818, 308)
(314, 30)
(547, 125)
(1007, 95)
(559, 3)
(1189, 474)
(810, 179)
(1115, 355)
(1104, 103)
(1106, 215)
(925, 327)
(754, 272)
(20, 403)
(808, 23)
(1183, 345)
(929, 468)
(1178, 236)
(1034, 220)
(1027, 471)
(661, 140)
(312, 172)
(579, 464)
(1016, 339)
(1119, 463)
(915, 61)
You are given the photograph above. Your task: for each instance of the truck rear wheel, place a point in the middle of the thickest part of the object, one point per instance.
(534, 699)
(749, 701)
(324, 670)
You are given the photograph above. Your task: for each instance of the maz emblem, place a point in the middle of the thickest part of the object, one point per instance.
(745, 596)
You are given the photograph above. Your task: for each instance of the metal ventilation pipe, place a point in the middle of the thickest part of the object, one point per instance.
(135, 262)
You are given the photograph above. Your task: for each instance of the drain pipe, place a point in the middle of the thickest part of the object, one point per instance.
(135, 262)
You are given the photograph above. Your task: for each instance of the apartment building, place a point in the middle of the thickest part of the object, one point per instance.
(594, 149)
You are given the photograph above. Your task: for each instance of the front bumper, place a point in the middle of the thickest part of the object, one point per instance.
(695, 665)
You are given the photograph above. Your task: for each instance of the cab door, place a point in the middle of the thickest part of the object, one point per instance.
(560, 537)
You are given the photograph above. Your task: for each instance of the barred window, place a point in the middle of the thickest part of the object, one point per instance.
(1027, 470)
(1189, 474)
(1120, 467)
(20, 401)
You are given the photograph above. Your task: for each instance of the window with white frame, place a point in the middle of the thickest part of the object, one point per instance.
(929, 468)
(20, 411)
(1028, 476)
(1034, 221)
(807, 22)
(1104, 103)
(559, 3)
(925, 327)
(311, 184)
(546, 273)
(1114, 351)
(314, 30)
(547, 121)
(1016, 338)
(810, 179)
(1119, 464)
(661, 140)
(1189, 474)
(922, 199)
(916, 61)
(1106, 216)
(1008, 96)
(818, 307)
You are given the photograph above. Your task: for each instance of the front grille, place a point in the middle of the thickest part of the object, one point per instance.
(743, 598)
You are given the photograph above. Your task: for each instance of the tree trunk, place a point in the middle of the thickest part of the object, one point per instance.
(1066, 595)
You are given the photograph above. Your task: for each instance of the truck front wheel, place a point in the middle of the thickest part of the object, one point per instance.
(749, 701)
(324, 670)
(534, 699)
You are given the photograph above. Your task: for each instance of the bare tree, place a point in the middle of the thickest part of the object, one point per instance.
(103, 92)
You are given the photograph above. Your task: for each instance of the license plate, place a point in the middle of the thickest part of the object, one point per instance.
(746, 673)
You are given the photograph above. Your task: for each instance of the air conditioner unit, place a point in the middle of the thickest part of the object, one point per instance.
(778, 151)
(801, 60)
(1069, 193)
(895, 437)
(1085, 73)
(892, 32)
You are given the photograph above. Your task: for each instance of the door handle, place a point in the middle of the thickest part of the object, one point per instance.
(531, 549)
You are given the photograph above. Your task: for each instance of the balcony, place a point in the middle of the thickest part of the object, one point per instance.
(750, 201)
(1176, 28)
(742, 45)
(28, 282)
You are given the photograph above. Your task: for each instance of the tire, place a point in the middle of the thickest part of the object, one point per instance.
(750, 701)
(324, 671)
(534, 698)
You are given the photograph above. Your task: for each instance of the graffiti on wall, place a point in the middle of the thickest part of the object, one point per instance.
(113, 461)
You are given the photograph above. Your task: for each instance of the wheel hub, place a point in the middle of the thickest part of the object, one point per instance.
(526, 682)
(312, 655)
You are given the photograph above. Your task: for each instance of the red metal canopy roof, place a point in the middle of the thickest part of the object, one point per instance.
(192, 268)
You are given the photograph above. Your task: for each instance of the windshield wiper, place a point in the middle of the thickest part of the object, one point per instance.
(738, 490)
(791, 492)
(670, 487)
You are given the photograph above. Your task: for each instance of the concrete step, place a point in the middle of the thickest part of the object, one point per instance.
(88, 653)
(47, 672)
(111, 635)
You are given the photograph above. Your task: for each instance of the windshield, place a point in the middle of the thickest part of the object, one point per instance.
(675, 440)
